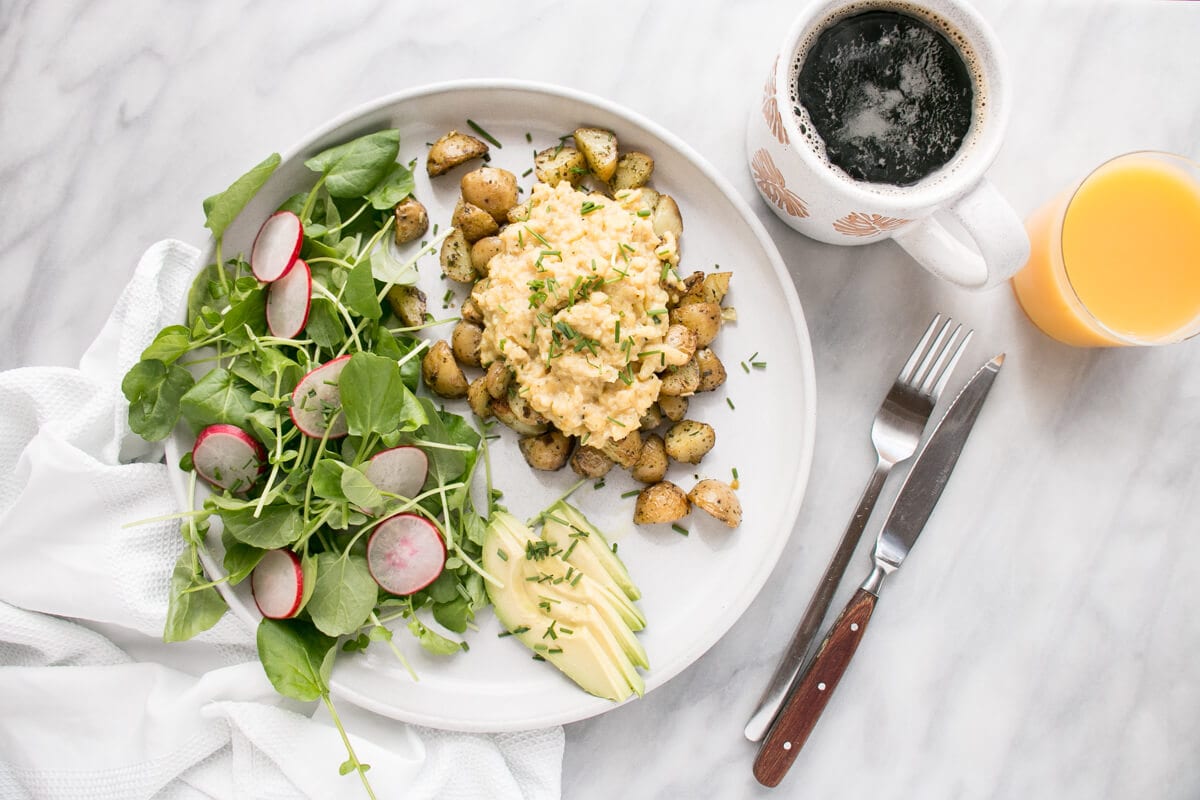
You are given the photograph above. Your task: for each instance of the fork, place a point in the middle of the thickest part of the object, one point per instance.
(897, 429)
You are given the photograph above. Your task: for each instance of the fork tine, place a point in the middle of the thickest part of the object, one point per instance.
(935, 349)
(907, 373)
(930, 377)
(950, 365)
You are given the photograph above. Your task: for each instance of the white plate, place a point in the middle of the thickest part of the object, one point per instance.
(695, 587)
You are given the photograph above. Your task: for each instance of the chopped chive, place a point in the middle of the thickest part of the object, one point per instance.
(614, 548)
(631, 493)
(758, 364)
(528, 137)
(570, 549)
(567, 631)
(645, 212)
(491, 139)
(745, 367)
(732, 407)
(525, 174)
(575, 580)
(735, 474)
(521, 629)
(617, 333)
(598, 485)
(679, 529)
(503, 555)
(655, 312)
(616, 422)
(753, 356)
(554, 650)
(537, 657)
(542, 239)
(502, 634)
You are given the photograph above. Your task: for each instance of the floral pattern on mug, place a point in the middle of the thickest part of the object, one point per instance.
(770, 107)
(857, 223)
(770, 183)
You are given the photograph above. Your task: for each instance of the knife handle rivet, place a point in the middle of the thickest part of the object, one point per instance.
(820, 687)
(787, 745)
(853, 626)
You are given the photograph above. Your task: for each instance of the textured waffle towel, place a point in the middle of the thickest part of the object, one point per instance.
(92, 704)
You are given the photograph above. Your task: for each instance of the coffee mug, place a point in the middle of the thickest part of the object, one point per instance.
(800, 178)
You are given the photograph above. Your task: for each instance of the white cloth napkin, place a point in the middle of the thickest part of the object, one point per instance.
(92, 703)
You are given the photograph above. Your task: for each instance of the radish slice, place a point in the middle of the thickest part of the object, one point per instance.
(400, 470)
(317, 400)
(405, 554)
(288, 301)
(278, 584)
(228, 457)
(276, 246)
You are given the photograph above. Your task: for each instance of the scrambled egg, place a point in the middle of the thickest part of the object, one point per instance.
(576, 305)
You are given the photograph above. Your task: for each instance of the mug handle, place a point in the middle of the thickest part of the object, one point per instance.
(996, 229)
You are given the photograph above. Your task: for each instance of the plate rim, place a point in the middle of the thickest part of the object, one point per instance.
(750, 588)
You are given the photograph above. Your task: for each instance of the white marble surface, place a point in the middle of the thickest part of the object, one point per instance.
(1041, 642)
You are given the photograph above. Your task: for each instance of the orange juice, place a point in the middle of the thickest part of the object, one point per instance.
(1117, 261)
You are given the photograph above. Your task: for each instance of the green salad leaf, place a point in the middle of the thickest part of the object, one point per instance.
(355, 168)
(222, 208)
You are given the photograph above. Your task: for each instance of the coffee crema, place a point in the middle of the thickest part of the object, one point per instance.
(889, 96)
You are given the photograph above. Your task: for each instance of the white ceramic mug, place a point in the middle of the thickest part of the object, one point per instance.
(821, 201)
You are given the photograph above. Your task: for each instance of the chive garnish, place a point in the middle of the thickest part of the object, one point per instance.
(525, 174)
(616, 422)
(503, 555)
(598, 485)
(528, 137)
(491, 139)
(732, 407)
(631, 493)
(745, 367)
(645, 212)
(680, 529)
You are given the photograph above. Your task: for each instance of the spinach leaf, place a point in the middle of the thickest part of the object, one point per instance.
(221, 209)
(374, 397)
(171, 342)
(323, 325)
(410, 370)
(207, 290)
(218, 397)
(190, 612)
(154, 392)
(396, 185)
(277, 526)
(353, 169)
(240, 559)
(296, 658)
(453, 615)
(361, 296)
(433, 642)
(336, 481)
(344, 595)
(250, 311)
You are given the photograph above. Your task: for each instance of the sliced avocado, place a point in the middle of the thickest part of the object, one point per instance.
(589, 654)
(607, 614)
(597, 547)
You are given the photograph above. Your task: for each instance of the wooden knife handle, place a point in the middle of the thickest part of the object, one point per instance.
(804, 705)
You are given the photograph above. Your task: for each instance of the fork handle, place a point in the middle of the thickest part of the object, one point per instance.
(806, 702)
(810, 624)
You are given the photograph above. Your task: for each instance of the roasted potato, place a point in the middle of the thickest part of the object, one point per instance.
(412, 220)
(703, 318)
(717, 498)
(588, 462)
(519, 212)
(683, 340)
(464, 343)
(651, 466)
(560, 163)
(451, 150)
(661, 502)
(498, 379)
(712, 371)
(666, 217)
(514, 412)
(473, 221)
(651, 419)
(599, 148)
(626, 451)
(483, 251)
(408, 304)
(633, 171)
(492, 189)
(456, 258)
(680, 381)
(547, 452)
(710, 289)
(442, 374)
(688, 440)
(470, 311)
(478, 398)
(673, 407)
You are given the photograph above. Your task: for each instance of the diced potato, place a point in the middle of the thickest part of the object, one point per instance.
(688, 440)
(492, 189)
(712, 289)
(441, 372)
(599, 148)
(717, 498)
(556, 164)
(483, 251)
(547, 452)
(478, 398)
(519, 212)
(680, 381)
(465, 343)
(673, 408)
(588, 462)
(498, 378)
(651, 466)
(456, 258)
(471, 312)
(666, 217)
(683, 340)
(651, 419)
(451, 150)
(712, 371)
(473, 221)
(633, 171)
(626, 451)
(412, 220)
(514, 412)
(662, 502)
(703, 318)
(408, 304)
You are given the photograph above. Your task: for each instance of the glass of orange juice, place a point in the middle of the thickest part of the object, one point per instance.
(1115, 260)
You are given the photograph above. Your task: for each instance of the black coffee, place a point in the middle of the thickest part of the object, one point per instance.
(890, 97)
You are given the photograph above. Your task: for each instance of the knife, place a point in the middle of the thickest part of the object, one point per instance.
(918, 495)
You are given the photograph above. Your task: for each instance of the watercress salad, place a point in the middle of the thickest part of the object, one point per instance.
(302, 499)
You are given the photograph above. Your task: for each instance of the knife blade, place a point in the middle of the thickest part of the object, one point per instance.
(919, 494)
